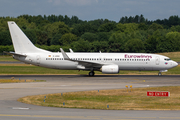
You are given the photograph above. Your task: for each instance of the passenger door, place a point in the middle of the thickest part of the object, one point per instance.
(157, 60)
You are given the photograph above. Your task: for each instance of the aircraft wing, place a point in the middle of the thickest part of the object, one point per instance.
(13, 53)
(86, 64)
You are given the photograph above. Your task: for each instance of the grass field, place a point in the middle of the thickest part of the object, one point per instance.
(173, 55)
(118, 99)
(12, 80)
(31, 69)
(7, 59)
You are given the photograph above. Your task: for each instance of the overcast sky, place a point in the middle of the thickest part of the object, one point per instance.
(92, 9)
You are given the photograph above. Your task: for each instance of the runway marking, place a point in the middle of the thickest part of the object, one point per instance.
(19, 108)
(45, 116)
(63, 86)
(118, 119)
(169, 118)
(137, 81)
(90, 117)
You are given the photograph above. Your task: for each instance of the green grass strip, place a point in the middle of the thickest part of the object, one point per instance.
(118, 99)
(29, 69)
(12, 80)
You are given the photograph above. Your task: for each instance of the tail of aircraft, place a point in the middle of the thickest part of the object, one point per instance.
(21, 42)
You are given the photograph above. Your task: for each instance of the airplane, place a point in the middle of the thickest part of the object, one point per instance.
(108, 63)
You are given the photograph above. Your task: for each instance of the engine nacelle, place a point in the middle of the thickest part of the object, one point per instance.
(110, 69)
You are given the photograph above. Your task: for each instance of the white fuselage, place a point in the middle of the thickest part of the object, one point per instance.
(25, 51)
(125, 61)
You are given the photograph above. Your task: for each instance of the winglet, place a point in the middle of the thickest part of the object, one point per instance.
(71, 51)
(64, 54)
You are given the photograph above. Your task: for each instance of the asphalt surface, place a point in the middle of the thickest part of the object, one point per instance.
(10, 109)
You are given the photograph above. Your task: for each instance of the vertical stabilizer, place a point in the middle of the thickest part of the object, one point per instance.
(21, 42)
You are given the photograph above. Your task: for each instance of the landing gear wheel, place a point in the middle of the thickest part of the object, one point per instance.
(91, 73)
(159, 74)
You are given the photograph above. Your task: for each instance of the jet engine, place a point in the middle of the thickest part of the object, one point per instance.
(110, 69)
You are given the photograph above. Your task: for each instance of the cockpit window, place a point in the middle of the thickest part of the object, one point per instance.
(167, 59)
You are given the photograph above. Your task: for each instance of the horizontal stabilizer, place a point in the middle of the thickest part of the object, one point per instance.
(13, 53)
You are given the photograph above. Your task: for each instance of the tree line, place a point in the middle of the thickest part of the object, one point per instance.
(130, 34)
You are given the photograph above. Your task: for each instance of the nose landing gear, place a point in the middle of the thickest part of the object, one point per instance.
(159, 74)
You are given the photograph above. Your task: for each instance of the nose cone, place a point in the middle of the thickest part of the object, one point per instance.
(175, 64)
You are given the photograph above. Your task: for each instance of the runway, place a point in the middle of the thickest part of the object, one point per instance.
(10, 92)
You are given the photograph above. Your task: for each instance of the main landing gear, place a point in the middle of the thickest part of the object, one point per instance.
(159, 74)
(91, 73)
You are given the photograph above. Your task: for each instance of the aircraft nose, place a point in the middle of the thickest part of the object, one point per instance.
(175, 64)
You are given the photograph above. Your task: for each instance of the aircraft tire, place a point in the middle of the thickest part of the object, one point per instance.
(159, 74)
(91, 73)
